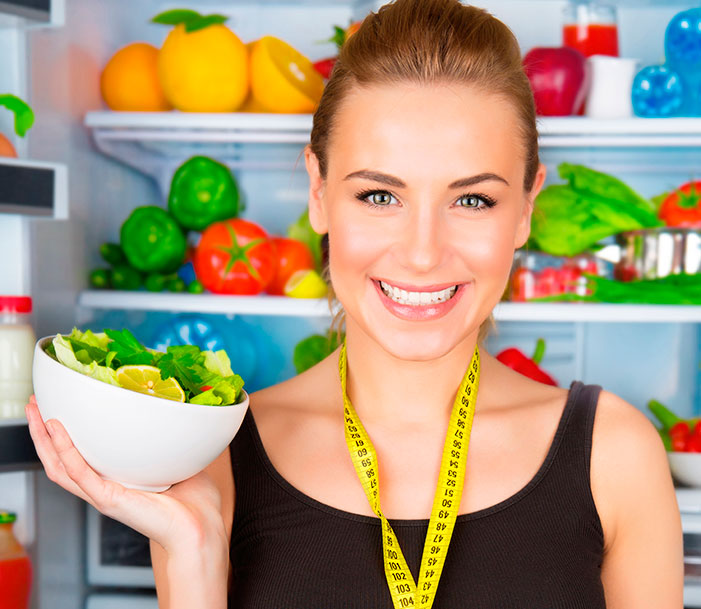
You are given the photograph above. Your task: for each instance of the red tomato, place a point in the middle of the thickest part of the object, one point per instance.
(235, 257)
(682, 207)
(292, 256)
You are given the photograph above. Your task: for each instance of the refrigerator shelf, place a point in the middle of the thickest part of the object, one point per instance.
(302, 307)
(154, 142)
(205, 303)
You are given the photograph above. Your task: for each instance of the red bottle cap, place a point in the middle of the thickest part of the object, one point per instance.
(15, 304)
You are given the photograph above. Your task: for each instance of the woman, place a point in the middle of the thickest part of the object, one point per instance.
(423, 169)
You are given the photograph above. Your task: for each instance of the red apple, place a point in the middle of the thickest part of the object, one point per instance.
(559, 79)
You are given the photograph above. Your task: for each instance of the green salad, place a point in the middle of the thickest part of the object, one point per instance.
(183, 373)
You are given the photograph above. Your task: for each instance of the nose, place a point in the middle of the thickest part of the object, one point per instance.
(423, 240)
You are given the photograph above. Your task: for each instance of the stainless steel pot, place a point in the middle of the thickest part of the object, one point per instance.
(653, 253)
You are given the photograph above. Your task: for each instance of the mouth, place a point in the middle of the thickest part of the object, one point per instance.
(416, 298)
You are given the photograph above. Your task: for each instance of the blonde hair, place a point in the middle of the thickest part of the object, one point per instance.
(427, 42)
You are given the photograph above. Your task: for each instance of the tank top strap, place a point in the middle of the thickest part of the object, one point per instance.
(576, 443)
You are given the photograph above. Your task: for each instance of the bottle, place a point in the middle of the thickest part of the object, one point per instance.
(16, 355)
(15, 567)
(682, 46)
(591, 28)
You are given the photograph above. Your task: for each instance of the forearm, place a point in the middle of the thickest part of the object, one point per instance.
(197, 580)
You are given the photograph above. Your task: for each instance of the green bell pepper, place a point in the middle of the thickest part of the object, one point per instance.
(152, 241)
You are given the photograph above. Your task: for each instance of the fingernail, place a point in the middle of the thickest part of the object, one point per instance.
(50, 428)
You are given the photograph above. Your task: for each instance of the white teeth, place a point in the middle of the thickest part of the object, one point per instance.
(417, 298)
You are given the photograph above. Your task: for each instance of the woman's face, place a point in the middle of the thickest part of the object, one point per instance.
(424, 206)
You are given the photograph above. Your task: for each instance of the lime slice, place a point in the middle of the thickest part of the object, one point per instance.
(147, 379)
(306, 284)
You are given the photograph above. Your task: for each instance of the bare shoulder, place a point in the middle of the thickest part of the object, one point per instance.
(628, 463)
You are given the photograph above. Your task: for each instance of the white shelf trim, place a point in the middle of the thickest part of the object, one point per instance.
(300, 307)
(248, 127)
(205, 303)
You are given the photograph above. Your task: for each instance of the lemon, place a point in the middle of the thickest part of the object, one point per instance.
(205, 70)
(282, 79)
(306, 284)
(147, 379)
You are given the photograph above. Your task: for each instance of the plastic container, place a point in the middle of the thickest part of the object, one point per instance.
(539, 275)
(591, 28)
(15, 567)
(16, 353)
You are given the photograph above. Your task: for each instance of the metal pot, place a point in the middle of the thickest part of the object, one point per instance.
(653, 253)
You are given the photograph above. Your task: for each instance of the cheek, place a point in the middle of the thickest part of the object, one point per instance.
(355, 243)
(489, 251)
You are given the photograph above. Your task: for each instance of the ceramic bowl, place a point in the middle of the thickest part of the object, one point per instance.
(686, 467)
(140, 441)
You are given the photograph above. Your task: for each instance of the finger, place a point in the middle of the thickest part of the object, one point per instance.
(47, 453)
(104, 495)
(32, 399)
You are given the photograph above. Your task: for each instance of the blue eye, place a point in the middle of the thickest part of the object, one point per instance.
(478, 202)
(375, 198)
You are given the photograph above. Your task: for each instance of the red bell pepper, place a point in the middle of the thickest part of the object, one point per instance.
(528, 366)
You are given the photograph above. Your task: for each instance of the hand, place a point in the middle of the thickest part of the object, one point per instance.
(185, 517)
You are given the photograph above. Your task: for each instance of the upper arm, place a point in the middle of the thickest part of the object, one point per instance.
(637, 505)
(221, 473)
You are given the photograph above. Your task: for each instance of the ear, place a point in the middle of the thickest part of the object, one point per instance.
(524, 224)
(317, 207)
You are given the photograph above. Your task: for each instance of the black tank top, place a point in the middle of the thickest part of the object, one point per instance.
(541, 548)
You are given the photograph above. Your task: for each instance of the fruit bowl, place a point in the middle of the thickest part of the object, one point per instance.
(686, 467)
(141, 441)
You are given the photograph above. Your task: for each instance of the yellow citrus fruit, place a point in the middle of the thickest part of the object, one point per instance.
(6, 147)
(205, 70)
(147, 379)
(282, 79)
(129, 81)
(306, 284)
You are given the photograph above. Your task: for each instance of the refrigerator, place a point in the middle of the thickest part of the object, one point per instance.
(104, 164)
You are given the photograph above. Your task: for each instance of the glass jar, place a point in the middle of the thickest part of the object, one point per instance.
(15, 567)
(16, 355)
(591, 28)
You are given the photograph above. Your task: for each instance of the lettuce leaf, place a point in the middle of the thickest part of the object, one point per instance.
(218, 362)
(65, 355)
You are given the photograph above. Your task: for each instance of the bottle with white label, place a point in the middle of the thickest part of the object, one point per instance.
(16, 354)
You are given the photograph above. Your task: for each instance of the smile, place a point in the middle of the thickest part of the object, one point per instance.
(417, 299)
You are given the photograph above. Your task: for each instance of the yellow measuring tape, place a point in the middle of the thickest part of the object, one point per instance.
(446, 502)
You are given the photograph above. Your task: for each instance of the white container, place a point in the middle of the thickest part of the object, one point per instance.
(686, 467)
(16, 349)
(611, 86)
(138, 440)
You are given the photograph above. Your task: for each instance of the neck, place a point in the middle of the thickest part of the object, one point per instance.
(386, 390)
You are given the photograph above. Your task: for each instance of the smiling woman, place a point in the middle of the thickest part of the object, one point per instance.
(410, 468)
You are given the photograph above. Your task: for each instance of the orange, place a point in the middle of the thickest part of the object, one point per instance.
(282, 79)
(129, 81)
(205, 70)
(6, 147)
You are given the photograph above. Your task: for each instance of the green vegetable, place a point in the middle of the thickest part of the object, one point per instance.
(65, 355)
(24, 116)
(101, 278)
(156, 282)
(663, 414)
(311, 350)
(569, 218)
(176, 284)
(202, 192)
(206, 376)
(112, 253)
(195, 287)
(302, 231)
(125, 277)
(152, 240)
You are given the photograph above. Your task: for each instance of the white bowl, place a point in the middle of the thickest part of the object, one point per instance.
(686, 467)
(138, 440)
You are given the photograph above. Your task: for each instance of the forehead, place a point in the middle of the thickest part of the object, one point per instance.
(436, 131)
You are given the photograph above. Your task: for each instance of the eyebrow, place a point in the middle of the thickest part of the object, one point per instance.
(377, 176)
